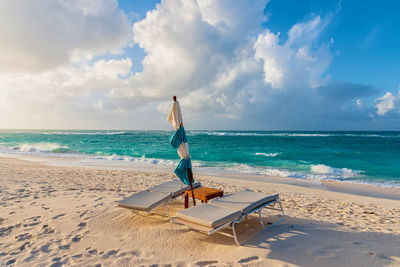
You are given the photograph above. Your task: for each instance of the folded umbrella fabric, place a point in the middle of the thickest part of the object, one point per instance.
(182, 170)
(178, 137)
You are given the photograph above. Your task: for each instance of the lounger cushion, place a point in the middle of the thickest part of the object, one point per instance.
(208, 215)
(144, 200)
(244, 201)
(175, 187)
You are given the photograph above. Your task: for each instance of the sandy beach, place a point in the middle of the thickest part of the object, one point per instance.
(54, 216)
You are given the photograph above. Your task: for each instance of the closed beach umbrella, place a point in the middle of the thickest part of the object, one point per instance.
(178, 140)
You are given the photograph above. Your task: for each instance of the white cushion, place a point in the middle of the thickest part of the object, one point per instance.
(244, 201)
(175, 187)
(144, 200)
(208, 215)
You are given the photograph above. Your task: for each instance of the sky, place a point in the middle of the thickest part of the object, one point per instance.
(233, 64)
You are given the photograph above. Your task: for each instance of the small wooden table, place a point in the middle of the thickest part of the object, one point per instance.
(202, 193)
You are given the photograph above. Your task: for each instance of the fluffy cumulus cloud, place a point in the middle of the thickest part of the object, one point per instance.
(226, 68)
(387, 102)
(223, 64)
(41, 35)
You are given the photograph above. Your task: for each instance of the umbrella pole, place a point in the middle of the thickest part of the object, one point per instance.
(190, 174)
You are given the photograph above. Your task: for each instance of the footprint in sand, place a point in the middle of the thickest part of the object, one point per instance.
(110, 253)
(45, 248)
(47, 230)
(59, 263)
(34, 218)
(12, 261)
(77, 256)
(249, 259)
(205, 263)
(58, 216)
(93, 251)
(23, 237)
(83, 213)
(77, 238)
(21, 248)
(64, 247)
(133, 253)
(99, 205)
(4, 231)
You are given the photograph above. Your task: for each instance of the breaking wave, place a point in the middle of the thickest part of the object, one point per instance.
(84, 133)
(267, 154)
(41, 147)
(327, 170)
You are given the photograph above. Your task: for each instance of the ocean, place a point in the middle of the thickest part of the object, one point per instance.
(356, 157)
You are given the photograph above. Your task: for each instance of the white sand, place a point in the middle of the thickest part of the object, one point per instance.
(50, 216)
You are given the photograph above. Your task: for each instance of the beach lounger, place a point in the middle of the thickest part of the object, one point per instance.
(227, 211)
(155, 196)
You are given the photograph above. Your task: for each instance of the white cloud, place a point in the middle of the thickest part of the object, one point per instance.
(226, 69)
(41, 35)
(296, 62)
(385, 103)
(98, 105)
(37, 100)
(223, 63)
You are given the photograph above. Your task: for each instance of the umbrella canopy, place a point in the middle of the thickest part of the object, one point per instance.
(179, 140)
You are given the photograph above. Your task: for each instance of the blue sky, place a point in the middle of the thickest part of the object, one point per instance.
(234, 64)
(366, 35)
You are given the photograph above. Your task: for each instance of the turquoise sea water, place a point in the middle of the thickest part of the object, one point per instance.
(361, 157)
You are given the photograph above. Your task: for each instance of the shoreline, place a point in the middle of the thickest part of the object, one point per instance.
(64, 215)
(361, 189)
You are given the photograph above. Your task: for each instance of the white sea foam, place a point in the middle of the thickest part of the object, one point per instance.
(341, 172)
(234, 134)
(246, 169)
(319, 172)
(142, 160)
(57, 150)
(41, 147)
(267, 154)
(83, 133)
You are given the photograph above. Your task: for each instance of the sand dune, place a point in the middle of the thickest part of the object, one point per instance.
(54, 216)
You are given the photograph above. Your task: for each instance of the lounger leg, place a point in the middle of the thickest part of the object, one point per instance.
(166, 208)
(281, 219)
(234, 233)
(269, 226)
(261, 219)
